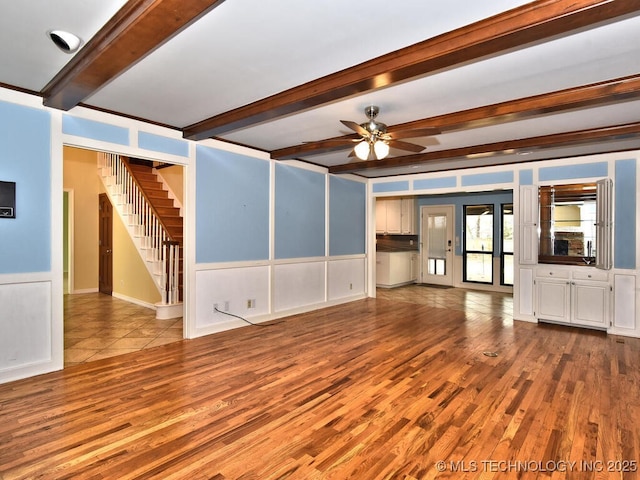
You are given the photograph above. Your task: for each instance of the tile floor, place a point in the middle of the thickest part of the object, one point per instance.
(99, 326)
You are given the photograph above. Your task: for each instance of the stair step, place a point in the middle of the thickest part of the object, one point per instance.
(163, 202)
(139, 168)
(144, 177)
(156, 193)
(168, 211)
(150, 183)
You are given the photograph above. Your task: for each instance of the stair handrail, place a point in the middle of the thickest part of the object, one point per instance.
(150, 220)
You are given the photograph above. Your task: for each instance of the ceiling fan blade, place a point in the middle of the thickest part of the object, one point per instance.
(416, 133)
(356, 128)
(335, 141)
(411, 147)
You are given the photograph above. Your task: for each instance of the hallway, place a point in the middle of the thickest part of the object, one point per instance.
(99, 326)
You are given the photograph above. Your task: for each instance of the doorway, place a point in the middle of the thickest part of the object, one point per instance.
(105, 242)
(120, 320)
(436, 248)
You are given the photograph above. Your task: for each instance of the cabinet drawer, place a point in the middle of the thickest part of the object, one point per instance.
(551, 272)
(590, 274)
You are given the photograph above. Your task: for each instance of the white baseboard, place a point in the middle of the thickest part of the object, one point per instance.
(167, 312)
(85, 290)
(133, 300)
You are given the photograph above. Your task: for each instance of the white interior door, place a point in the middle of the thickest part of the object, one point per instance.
(436, 244)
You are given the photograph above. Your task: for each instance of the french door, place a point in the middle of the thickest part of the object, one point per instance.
(436, 244)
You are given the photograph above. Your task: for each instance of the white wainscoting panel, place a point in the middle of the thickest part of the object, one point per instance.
(624, 303)
(526, 291)
(231, 287)
(25, 324)
(346, 278)
(298, 285)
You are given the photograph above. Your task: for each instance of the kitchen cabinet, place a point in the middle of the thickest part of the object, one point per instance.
(395, 268)
(578, 296)
(396, 216)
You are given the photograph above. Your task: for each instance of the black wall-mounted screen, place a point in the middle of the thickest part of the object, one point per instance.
(7, 199)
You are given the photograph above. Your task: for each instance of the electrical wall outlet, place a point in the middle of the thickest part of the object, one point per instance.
(226, 305)
(251, 303)
(215, 307)
(351, 286)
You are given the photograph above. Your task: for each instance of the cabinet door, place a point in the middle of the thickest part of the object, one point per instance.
(554, 300)
(603, 224)
(590, 304)
(408, 216)
(394, 215)
(414, 267)
(528, 220)
(383, 269)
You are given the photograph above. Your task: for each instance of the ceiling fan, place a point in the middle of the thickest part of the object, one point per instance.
(375, 140)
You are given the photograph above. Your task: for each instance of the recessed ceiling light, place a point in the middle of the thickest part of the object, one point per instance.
(65, 41)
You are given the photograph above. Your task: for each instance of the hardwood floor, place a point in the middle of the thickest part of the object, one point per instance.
(374, 389)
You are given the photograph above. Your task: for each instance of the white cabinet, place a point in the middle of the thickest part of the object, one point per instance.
(395, 268)
(554, 300)
(396, 216)
(578, 296)
(590, 303)
(408, 216)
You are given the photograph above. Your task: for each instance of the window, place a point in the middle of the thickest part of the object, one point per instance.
(478, 244)
(506, 258)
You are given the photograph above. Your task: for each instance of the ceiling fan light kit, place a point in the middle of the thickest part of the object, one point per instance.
(381, 149)
(362, 150)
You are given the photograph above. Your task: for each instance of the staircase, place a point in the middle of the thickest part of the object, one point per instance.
(153, 221)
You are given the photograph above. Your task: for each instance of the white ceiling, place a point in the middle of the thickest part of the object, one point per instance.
(245, 50)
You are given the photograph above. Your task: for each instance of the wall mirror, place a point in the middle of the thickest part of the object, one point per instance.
(574, 226)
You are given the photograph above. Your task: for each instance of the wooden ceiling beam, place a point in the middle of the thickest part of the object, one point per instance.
(135, 31)
(580, 137)
(534, 22)
(596, 94)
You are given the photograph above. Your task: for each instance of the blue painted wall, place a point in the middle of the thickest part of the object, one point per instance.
(624, 221)
(81, 127)
(232, 207)
(397, 186)
(347, 216)
(158, 143)
(460, 199)
(25, 158)
(299, 213)
(569, 172)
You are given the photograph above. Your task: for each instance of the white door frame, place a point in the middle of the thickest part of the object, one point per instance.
(70, 238)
